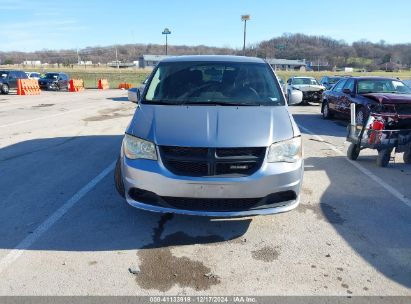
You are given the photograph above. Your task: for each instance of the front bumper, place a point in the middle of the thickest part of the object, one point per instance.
(313, 96)
(48, 85)
(153, 177)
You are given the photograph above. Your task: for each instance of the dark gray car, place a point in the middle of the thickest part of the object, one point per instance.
(54, 81)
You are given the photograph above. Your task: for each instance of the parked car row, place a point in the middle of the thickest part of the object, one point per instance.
(48, 81)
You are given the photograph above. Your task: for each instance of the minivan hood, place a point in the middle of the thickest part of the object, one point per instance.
(212, 126)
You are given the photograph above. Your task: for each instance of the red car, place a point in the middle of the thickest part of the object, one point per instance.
(365, 92)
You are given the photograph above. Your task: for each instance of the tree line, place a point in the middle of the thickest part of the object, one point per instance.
(317, 50)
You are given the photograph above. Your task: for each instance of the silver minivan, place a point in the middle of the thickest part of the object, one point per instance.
(212, 136)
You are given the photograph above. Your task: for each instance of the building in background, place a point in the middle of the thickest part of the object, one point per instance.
(88, 62)
(287, 65)
(150, 61)
(32, 62)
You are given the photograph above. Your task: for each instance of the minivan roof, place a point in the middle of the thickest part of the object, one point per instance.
(215, 58)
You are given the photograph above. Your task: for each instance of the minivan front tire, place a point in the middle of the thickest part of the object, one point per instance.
(4, 89)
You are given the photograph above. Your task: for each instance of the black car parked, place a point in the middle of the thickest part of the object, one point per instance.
(8, 80)
(54, 81)
(338, 100)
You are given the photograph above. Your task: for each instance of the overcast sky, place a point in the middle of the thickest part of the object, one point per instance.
(29, 25)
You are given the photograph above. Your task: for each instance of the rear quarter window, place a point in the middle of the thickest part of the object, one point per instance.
(338, 87)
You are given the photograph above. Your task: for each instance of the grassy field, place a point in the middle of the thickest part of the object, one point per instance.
(135, 76)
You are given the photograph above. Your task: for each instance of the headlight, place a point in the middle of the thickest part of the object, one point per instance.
(288, 151)
(294, 88)
(135, 148)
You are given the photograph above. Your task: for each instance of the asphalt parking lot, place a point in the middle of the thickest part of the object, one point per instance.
(65, 231)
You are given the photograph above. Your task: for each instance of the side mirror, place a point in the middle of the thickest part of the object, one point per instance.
(347, 91)
(295, 97)
(134, 95)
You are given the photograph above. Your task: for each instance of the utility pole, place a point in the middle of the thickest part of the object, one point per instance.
(166, 32)
(78, 58)
(245, 18)
(118, 66)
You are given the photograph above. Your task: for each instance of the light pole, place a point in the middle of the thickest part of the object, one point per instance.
(166, 32)
(245, 18)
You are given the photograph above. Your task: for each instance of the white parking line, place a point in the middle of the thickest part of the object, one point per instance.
(51, 220)
(43, 117)
(365, 171)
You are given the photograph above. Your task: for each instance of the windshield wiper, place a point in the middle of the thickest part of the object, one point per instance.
(220, 103)
(161, 102)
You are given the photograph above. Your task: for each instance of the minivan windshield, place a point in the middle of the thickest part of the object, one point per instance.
(218, 83)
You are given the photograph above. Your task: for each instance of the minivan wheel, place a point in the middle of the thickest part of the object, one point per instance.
(383, 158)
(118, 180)
(326, 111)
(4, 89)
(353, 151)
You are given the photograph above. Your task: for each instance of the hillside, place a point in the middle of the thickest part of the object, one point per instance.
(316, 49)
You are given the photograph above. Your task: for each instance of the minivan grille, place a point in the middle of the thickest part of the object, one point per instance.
(228, 204)
(197, 162)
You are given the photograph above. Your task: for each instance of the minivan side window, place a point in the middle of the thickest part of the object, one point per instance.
(339, 86)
